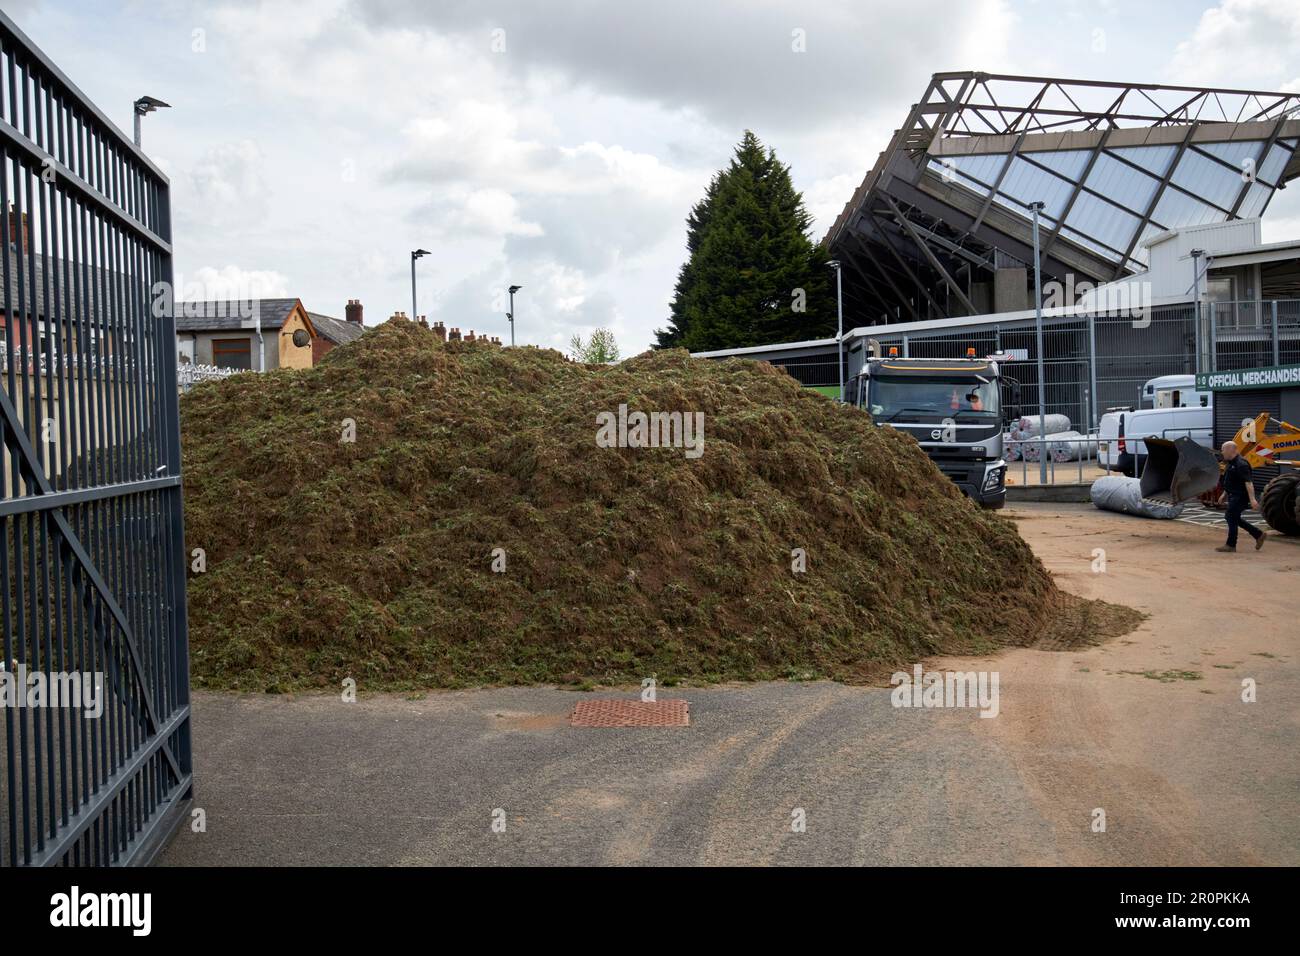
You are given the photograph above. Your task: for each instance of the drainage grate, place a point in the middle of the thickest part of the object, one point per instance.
(631, 713)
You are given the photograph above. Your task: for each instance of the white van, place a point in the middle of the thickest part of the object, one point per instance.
(1119, 438)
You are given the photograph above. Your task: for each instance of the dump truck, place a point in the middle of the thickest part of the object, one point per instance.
(954, 409)
(1181, 470)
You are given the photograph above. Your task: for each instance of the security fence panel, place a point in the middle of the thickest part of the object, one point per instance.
(951, 345)
(1092, 363)
(1064, 389)
(1095, 363)
(95, 768)
(1244, 334)
(1287, 314)
(811, 374)
(1133, 349)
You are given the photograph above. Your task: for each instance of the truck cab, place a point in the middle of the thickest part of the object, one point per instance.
(954, 410)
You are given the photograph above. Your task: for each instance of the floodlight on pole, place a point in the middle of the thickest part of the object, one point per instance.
(511, 314)
(839, 324)
(1204, 362)
(145, 104)
(1037, 207)
(415, 254)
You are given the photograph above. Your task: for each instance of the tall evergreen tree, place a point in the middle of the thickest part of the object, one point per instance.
(749, 256)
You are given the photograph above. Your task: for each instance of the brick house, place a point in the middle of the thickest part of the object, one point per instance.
(261, 334)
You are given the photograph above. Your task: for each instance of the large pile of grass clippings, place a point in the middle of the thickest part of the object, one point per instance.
(373, 559)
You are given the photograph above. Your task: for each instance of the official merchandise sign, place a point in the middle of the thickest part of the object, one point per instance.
(1274, 376)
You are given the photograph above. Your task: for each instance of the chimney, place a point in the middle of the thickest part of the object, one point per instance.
(399, 315)
(353, 311)
(470, 337)
(440, 330)
(453, 335)
(14, 240)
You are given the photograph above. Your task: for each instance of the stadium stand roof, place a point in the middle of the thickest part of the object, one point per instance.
(941, 224)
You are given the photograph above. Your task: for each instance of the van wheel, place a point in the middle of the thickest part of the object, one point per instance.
(1278, 504)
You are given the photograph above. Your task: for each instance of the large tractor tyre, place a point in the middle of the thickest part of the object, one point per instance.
(1278, 503)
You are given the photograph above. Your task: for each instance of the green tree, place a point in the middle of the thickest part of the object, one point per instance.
(600, 349)
(753, 275)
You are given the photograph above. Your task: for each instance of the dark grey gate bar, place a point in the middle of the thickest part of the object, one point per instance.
(92, 556)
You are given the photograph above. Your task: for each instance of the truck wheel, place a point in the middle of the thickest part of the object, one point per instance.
(1278, 504)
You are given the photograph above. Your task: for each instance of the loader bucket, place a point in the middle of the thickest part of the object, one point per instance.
(1178, 470)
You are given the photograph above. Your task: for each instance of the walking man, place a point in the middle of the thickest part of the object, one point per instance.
(1240, 489)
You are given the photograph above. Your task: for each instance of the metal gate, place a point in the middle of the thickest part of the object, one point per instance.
(95, 684)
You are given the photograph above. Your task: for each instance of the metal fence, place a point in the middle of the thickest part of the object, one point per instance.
(1093, 363)
(1128, 350)
(1255, 334)
(812, 374)
(1069, 460)
(96, 765)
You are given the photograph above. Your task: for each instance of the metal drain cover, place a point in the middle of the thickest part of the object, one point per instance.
(631, 713)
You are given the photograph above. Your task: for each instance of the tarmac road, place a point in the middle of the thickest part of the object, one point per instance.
(1185, 771)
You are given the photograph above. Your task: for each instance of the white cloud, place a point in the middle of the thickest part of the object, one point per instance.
(490, 213)
(1243, 44)
(231, 282)
(735, 61)
(566, 288)
(826, 197)
(224, 184)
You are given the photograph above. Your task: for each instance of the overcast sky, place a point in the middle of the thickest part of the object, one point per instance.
(560, 145)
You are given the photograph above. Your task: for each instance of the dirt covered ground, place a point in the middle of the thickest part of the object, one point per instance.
(1150, 728)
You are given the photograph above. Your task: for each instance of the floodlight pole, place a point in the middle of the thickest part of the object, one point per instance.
(1204, 328)
(511, 314)
(1038, 330)
(145, 104)
(415, 254)
(839, 326)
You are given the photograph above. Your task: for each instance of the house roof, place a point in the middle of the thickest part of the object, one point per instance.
(336, 330)
(217, 315)
(68, 282)
(113, 289)
(227, 314)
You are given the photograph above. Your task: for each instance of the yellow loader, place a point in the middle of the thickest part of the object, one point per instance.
(1181, 470)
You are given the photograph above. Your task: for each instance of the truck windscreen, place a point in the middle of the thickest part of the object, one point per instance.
(931, 398)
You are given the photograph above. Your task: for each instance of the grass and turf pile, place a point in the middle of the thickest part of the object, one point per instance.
(373, 558)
